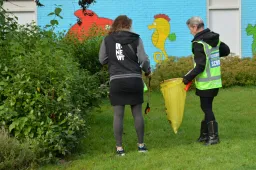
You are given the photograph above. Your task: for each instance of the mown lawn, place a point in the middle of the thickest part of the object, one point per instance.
(235, 110)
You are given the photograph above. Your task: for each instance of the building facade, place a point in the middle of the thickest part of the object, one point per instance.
(25, 10)
(161, 24)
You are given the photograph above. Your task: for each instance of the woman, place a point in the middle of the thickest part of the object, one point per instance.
(124, 53)
(207, 50)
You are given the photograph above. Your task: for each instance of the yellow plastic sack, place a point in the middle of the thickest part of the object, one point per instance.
(174, 96)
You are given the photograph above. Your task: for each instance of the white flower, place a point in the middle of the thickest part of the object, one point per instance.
(107, 27)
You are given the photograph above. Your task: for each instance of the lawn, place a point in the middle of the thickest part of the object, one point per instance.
(235, 110)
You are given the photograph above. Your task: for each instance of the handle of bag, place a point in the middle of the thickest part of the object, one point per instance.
(188, 86)
(147, 109)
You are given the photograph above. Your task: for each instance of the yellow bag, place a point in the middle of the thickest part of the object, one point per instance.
(174, 96)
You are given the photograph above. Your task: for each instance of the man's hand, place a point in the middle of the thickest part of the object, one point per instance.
(185, 81)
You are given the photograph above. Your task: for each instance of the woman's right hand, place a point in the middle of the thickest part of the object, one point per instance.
(148, 75)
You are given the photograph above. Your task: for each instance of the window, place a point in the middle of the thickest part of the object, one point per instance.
(25, 10)
(224, 18)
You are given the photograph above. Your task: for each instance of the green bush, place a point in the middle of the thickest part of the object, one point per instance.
(173, 67)
(85, 51)
(235, 71)
(13, 154)
(44, 95)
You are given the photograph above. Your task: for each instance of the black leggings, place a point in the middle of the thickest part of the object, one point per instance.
(206, 106)
(118, 122)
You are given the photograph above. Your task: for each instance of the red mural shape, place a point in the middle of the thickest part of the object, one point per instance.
(88, 18)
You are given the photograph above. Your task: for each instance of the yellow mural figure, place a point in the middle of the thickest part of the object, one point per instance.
(162, 32)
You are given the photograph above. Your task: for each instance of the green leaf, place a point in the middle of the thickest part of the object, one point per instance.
(32, 103)
(52, 13)
(59, 99)
(31, 135)
(13, 101)
(12, 126)
(63, 121)
(60, 16)
(27, 130)
(54, 22)
(172, 37)
(57, 11)
(31, 112)
(3, 83)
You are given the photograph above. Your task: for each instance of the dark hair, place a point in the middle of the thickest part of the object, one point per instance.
(121, 22)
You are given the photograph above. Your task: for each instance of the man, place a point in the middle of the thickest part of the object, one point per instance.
(207, 50)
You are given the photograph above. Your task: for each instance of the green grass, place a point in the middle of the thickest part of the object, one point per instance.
(235, 111)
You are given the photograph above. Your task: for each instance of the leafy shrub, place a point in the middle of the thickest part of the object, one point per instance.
(44, 95)
(235, 71)
(173, 67)
(13, 154)
(85, 50)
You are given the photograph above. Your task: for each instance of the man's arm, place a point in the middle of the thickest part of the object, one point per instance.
(200, 59)
(224, 50)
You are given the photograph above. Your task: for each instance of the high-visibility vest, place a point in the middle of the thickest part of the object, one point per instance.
(210, 78)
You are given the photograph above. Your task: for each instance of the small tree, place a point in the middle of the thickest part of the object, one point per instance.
(83, 3)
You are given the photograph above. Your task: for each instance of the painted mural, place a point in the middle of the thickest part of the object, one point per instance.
(86, 20)
(251, 31)
(162, 32)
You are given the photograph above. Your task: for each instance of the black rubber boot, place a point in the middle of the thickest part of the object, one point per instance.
(203, 132)
(213, 137)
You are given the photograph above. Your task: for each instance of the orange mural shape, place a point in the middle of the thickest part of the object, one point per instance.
(88, 19)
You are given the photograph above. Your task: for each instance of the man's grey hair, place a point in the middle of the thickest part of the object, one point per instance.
(195, 21)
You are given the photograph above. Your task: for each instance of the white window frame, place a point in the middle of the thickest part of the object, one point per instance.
(216, 7)
(9, 7)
